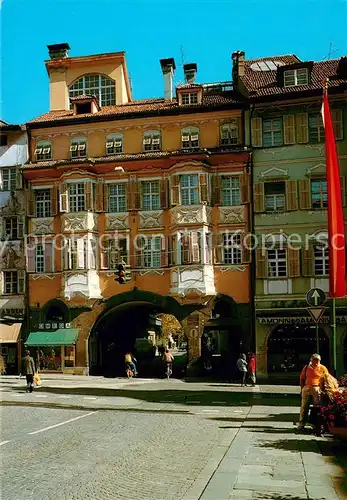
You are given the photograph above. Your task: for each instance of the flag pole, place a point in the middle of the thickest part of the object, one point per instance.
(333, 326)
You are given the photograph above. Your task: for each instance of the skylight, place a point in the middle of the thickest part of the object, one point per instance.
(268, 65)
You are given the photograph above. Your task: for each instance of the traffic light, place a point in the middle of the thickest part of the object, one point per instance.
(123, 274)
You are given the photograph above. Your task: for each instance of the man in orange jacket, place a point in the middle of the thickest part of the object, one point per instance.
(310, 381)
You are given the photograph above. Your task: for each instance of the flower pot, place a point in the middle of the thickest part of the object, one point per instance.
(339, 432)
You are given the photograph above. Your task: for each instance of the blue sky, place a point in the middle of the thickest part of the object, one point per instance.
(148, 30)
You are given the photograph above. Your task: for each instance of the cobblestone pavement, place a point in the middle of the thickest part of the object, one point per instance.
(161, 440)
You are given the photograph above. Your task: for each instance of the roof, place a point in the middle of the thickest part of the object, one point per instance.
(141, 107)
(265, 83)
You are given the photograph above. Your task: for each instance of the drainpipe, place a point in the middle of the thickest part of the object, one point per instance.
(26, 322)
(252, 281)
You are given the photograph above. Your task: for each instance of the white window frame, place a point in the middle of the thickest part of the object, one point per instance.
(11, 223)
(229, 134)
(152, 140)
(78, 147)
(189, 98)
(317, 129)
(77, 199)
(150, 200)
(321, 259)
(232, 248)
(43, 207)
(151, 252)
(295, 77)
(117, 252)
(8, 179)
(231, 194)
(190, 138)
(40, 258)
(190, 189)
(104, 88)
(43, 150)
(117, 197)
(277, 263)
(271, 134)
(13, 283)
(323, 193)
(114, 144)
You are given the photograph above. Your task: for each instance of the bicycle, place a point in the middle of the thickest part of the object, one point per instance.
(168, 370)
(129, 372)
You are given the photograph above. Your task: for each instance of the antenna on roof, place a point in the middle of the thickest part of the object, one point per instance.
(331, 51)
(130, 83)
(182, 55)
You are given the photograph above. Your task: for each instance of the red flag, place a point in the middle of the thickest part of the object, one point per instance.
(336, 227)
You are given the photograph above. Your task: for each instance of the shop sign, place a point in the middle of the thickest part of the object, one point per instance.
(12, 313)
(300, 320)
(53, 326)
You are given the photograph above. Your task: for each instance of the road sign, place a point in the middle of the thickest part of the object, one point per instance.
(316, 313)
(315, 297)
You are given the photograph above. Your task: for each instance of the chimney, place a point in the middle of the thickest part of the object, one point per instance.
(190, 72)
(238, 59)
(58, 50)
(168, 67)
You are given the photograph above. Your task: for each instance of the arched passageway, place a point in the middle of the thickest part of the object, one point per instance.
(290, 348)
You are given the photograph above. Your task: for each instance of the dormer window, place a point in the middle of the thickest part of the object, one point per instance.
(294, 77)
(152, 140)
(43, 150)
(78, 148)
(190, 138)
(83, 108)
(114, 144)
(190, 98)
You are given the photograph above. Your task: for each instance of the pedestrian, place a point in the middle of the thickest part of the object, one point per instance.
(28, 369)
(252, 368)
(311, 378)
(2, 365)
(242, 367)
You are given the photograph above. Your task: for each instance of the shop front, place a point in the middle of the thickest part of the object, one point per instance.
(54, 351)
(10, 345)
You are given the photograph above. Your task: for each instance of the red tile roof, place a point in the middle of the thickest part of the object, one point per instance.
(142, 107)
(83, 97)
(265, 83)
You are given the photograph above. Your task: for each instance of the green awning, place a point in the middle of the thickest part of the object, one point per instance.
(64, 336)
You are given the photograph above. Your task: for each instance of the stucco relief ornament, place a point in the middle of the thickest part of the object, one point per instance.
(231, 215)
(183, 216)
(43, 226)
(150, 219)
(116, 221)
(10, 258)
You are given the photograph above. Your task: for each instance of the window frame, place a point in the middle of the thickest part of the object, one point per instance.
(45, 204)
(39, 150)
(294, 73)
(323, 193)
(115, 199)
(275, 196)
(231, 190)
(78, 152)
(153, 196)
(318, 129)
(106, 94)
(189, 189)
(40, 258)
(150, 256)
(114, 138)
(323, 258)
(77, 199)
(232, 125)
(276, 260)
(190, 98)
(14, 229)
(232, 248)
(14, 284)
(147, 141)
(190, 143)
(11, 180)
(271, 133)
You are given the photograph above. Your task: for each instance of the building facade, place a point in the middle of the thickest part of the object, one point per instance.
(290, 204)
(13, 155)
(161, 185)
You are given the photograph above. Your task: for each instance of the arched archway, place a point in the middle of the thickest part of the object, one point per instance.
(129, 323)
(289, 347)
(56, 310)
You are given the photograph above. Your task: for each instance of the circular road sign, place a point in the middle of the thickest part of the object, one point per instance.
(315, 297)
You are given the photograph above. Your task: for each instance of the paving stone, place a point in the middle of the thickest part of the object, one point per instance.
(321, 493)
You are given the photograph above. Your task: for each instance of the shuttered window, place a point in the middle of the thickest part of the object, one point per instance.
(43, 150)
(77, 197)
(321, 260)
(117, 249)
(319, 194)
(8, 178)
(232, 248)
(117, 201)
(257, 135)
(274, 196)
(189, 188)
(231, 192)
(315, 128)
(150, 251)
(152, 140)
(229, 133)
(272, 132)
(80, 253)
(150, 194)
(78, 147)
(301, 120)
(114, 144)
(289, 129)
(190, 247)
(190, 138)
(277, 263)
(43, 202)
(42, 258)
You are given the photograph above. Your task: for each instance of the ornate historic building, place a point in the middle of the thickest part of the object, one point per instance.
(159, 184)
(13, 154)
(290, 203)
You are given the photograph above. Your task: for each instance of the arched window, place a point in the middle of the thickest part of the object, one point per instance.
(114, 144)
(190, 137)
(229, 133)
(78, 148)
(43, 150)
(100, 86)
(152, 140)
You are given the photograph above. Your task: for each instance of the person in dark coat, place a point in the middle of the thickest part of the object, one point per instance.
(28, 369)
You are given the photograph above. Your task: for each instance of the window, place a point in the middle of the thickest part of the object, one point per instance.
(102, 87)
(189, 185)
(118, 252)
(190, 138)
(232, 250)
(3, 140)
(11, 283)
(152, 140)
(315, 128)
(11, 228)
(117, 198)
(337, 119)
(274, 196)
(77, 198)
(114, 144)
(43, 150)
(295, 77)
(229, 133)
(191, 247)
(39, 259)
(78, 254)
(231, 193)
(150, 195)
(43, 203)
(272, 132)
(321, 260)
(78, 148)
(150, 255)
(277, 263)
(190, 98)
(319, 193)
(8, 179)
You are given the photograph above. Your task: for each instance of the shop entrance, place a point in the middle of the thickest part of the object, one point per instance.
(137, 328)
(290, 348)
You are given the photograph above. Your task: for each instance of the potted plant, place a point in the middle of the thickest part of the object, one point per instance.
(335, 414)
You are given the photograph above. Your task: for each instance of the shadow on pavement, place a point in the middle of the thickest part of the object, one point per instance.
(275, 417)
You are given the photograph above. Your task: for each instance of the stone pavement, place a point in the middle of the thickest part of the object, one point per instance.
(224, 442)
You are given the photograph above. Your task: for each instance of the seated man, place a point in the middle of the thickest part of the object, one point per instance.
(310, 381)
(129, 363)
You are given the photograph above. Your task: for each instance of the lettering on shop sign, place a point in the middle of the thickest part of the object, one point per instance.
(53, 326)
(300, 320)
(13, 313)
